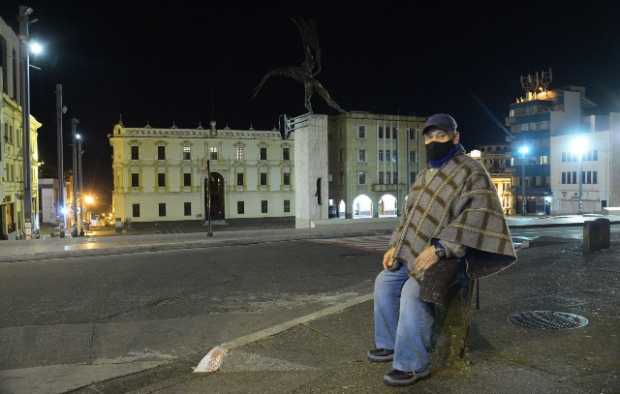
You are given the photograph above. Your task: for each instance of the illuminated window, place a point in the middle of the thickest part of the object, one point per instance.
(239, 152)
(187, 153)
(213, 153)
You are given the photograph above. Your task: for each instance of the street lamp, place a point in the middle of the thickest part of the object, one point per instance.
(76, 138)
(36, 48)
(579, 145)
(26, 46)
(523, 150)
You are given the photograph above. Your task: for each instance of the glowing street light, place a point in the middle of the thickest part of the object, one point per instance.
(36, 48)
(524, 150)
(89, 199)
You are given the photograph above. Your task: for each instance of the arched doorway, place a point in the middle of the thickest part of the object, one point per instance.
(387, 206)
(217, 196)
(362, 207)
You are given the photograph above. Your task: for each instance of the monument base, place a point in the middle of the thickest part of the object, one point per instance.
(311, 170)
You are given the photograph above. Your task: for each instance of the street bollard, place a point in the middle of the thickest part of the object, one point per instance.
(596, 235)
(118, 225)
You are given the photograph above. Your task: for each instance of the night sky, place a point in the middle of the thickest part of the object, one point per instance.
(178, 61)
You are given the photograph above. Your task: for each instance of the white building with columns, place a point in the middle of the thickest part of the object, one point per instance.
(160, 173)
(599, 139)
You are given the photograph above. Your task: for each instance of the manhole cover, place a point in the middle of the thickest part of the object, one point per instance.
(548, 320)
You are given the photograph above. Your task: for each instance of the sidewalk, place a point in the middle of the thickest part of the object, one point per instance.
(328, 355)
(13, 251)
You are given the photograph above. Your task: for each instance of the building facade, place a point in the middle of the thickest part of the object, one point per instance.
(541, 113)
(11, 142)
(373, 161)
(161, 174)
(496, 159)
(591, 156)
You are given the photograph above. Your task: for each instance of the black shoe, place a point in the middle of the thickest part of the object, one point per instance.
(402, 378)
(380, 355)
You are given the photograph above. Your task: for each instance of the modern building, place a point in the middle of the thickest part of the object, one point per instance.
(373, 160)
(160, 174)
(590, 155)
(541, 113)
(11, 142)
(496, 160)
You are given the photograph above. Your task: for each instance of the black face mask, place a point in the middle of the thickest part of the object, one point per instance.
(438, 150)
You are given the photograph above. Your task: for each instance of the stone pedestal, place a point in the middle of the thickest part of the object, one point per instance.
(311, 173)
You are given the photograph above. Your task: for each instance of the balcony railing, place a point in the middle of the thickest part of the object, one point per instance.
(378, 187)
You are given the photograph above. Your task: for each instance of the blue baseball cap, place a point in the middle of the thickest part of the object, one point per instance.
(443, 122)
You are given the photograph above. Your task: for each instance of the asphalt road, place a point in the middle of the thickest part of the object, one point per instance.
(119, 314)
(154, 307)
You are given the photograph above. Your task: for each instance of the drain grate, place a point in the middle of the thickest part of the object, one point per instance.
(548, 320)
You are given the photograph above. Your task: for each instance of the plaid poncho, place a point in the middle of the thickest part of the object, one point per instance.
(459, 204)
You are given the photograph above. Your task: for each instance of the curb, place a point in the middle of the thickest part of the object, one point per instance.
(201, 244)
(519, 226)
(206, 243)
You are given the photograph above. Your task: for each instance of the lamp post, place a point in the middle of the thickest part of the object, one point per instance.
(80, 183)
(523, 150)
(24, 35)
(579, 146)
(209, 229)
(60, 162)
(74, 123)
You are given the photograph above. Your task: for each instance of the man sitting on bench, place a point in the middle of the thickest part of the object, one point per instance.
(453, 224)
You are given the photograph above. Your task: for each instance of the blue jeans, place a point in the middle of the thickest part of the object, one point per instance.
(403, 322)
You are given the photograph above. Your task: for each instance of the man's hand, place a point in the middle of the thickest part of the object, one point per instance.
(388, 258)
(425, 260)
